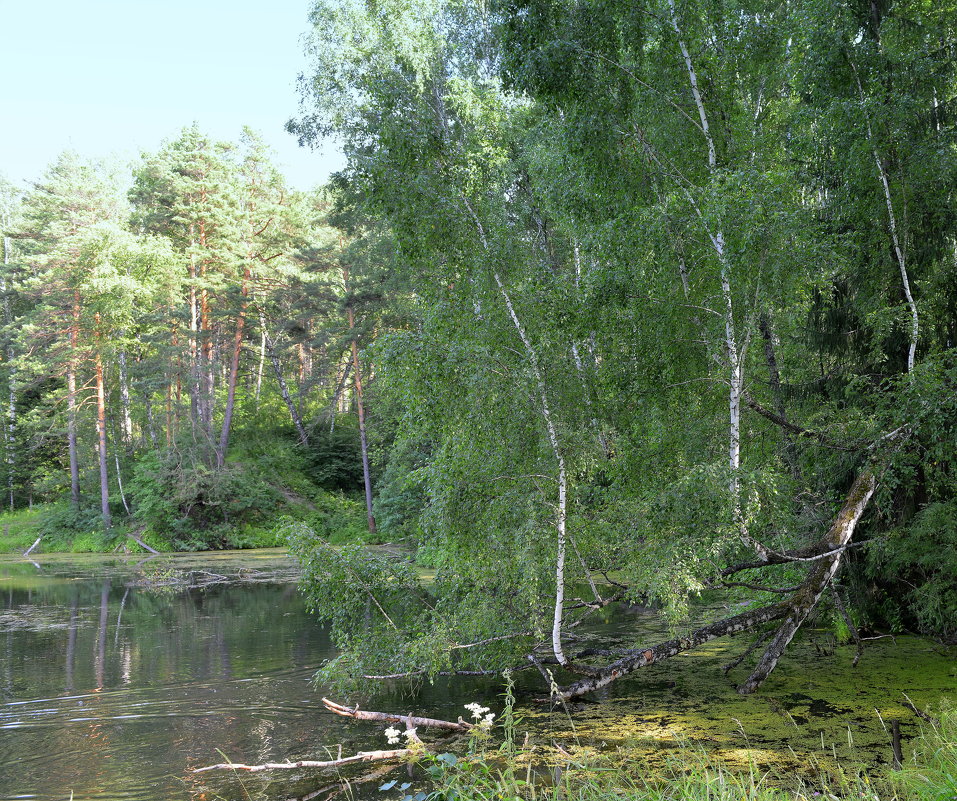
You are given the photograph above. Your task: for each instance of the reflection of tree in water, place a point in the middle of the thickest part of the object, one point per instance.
(71, 643)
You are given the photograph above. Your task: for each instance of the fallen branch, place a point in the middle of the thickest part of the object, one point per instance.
(133, 536)
(387, 717)
(29, 550)
(411, 724)
(811, 553)
(795, 429)
(649, 656)
(825, 558)
(362, 756)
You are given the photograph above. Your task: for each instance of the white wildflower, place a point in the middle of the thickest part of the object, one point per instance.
(409, 734)
(487, 720)
(392, 734)
(477, 710)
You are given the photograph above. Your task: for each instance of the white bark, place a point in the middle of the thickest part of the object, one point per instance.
(898, 250)
(262, 361)
(126, 423)
(562, 511)
(735, 355)
(11, 428)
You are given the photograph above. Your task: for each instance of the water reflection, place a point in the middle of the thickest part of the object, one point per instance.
(114, 690)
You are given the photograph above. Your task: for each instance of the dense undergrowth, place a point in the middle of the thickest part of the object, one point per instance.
(178, 501)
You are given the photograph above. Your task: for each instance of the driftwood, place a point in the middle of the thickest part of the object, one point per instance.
(362, 756)
(29, 550)
(134, 536)
(411, 723)
(387, 717)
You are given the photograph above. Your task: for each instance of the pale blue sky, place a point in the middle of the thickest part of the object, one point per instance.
(110, 77)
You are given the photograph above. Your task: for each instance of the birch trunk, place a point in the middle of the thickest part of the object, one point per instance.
(341, 385)
(562, 512)
(11, 381)
(892, 218)
(126, 423)
(233, 372)
(262, 362)
(735, 354)
(101, 432)
(71, 404)
(283, 386)
(360, 408)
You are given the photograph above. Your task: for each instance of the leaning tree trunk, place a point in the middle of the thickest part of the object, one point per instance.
(807, 596)
(561, 519)
(283, 386)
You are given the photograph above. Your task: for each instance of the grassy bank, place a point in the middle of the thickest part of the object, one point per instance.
(547, 773)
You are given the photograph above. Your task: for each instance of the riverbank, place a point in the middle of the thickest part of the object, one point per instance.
(56, 528)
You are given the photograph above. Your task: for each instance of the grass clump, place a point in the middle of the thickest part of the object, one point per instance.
(932, 773)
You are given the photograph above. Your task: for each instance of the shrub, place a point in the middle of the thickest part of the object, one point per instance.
(181, 497)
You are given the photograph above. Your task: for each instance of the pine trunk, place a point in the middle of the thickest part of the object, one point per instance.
(11, 438)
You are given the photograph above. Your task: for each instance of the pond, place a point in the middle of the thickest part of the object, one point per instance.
(116, 680)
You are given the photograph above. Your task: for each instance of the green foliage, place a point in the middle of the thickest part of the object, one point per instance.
(196, 506)
(921, 562)
(333, 460)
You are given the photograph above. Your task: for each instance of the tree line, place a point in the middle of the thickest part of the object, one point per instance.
(147, 311)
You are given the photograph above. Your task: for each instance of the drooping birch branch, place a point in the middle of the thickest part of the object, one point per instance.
(562, 514)
(898, 251)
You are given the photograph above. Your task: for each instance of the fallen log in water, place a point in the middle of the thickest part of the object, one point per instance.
(411, 723)
(386, 717)
(362, 756)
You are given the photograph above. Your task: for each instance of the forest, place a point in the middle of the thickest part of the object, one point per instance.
(614, 303)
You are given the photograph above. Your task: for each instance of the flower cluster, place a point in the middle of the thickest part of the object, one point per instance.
(392, 735)
(481, 714)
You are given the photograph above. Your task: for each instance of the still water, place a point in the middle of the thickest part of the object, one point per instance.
(116, 680)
